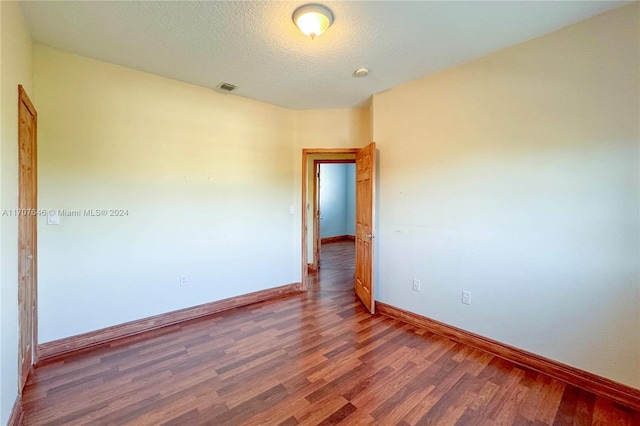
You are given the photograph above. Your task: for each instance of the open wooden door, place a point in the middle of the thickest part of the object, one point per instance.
(365, 189)
(27, 234)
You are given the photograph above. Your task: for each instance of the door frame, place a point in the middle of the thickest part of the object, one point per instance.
(316, 207)
(305, 173)
(23, 99)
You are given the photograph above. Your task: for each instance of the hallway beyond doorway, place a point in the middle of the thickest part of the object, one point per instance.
(336, 272)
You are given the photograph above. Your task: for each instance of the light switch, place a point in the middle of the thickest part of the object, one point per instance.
(53, 218)
(291, 210)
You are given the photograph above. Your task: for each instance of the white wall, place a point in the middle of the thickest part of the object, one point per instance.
(207, 180)
(16, 61)
(337, 200)
(516, 177)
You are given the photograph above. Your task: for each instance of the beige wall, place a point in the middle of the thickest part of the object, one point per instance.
(333, 128)
(516, 177)
(207, 180)
(16, 59)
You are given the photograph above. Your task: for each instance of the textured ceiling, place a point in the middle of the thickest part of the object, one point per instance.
(256, 46)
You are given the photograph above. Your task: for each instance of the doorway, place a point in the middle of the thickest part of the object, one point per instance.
(27, 235)
(365, 161)
(333, 192)
(331, 265)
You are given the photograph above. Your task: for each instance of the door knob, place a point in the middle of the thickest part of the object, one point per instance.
(370, 236)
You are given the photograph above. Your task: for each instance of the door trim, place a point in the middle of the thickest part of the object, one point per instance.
(23, 99)
(305, 172)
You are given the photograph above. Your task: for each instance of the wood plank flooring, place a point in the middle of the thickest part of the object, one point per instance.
(313, 359)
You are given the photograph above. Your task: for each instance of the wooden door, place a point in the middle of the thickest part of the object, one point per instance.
(27, 233)
(365, 177)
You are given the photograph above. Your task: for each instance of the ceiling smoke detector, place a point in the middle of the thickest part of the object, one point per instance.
(226, 87)
(361, 72)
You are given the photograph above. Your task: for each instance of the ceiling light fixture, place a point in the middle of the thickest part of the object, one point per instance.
(312, 19)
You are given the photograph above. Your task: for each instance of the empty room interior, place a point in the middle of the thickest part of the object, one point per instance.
(366, 213)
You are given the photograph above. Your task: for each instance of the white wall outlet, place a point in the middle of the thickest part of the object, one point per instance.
(416, 285)
(183, 281)
(466, 297)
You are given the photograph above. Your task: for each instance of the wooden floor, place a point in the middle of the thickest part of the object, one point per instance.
(317, 358)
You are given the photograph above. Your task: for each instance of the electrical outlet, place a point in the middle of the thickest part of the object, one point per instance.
(466, 297)
(416, 285)
(183, 281)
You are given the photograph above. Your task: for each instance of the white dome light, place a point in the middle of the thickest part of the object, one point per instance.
(313, 19)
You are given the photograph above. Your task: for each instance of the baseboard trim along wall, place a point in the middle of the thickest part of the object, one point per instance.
(16, 413)
(93, 338)
(623, 394)
(338, 238)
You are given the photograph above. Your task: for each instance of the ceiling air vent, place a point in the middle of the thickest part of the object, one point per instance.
(226, 87)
